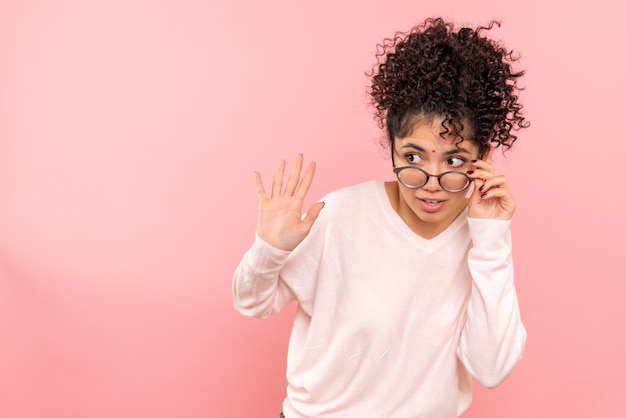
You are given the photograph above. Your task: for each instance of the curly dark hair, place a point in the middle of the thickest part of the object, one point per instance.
(459, 75)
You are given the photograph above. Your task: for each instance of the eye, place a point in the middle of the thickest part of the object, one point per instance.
(456, 162)
(414, 158)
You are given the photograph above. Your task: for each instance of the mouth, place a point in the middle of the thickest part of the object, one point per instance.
(431, 202)
(431, 205)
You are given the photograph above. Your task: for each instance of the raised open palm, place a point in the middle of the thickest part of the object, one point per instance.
(280, 222)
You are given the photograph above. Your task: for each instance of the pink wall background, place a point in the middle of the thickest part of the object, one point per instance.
(129, 131)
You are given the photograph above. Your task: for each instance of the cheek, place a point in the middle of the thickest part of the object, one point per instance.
(405, 193)
(460, 198)
(408, 196)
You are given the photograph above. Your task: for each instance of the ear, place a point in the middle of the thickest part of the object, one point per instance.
(391, 146)
(485, 154)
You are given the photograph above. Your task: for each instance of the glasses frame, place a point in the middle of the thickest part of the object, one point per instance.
(397, 171)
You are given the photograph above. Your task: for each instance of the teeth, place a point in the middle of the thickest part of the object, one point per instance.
(431, 202)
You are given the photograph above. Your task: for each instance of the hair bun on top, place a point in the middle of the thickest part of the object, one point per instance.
(435, 70)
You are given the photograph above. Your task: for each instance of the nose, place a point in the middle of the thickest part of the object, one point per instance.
(432, 185)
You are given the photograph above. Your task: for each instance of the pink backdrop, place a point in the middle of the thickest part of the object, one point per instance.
(129, 131)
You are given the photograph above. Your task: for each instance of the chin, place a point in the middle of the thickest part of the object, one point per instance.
(444, 215)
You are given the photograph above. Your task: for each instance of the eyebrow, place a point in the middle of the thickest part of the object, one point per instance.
(456, 150)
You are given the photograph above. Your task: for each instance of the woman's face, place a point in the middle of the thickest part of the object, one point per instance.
(430, 209)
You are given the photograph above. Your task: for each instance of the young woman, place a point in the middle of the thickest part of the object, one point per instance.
(405, 289)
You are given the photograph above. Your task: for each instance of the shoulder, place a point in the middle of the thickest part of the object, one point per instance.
(354, 199)
(349, 205)
(343, 209)
(354, 194)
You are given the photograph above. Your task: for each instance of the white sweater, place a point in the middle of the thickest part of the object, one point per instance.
(389, 324)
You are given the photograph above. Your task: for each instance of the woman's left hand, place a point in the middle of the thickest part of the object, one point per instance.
(491, 197)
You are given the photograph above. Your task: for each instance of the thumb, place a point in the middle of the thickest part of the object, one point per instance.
(474, 195)
(312, 214)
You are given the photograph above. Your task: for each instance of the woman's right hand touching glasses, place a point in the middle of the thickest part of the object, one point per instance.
(280, 222)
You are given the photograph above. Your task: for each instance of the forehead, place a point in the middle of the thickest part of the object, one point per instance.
(428, 135)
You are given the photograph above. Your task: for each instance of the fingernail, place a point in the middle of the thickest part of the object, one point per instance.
(481, 188)
(470, 172)
(484, 195)
(474, 161)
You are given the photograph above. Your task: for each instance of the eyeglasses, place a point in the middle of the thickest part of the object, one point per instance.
(414, 178)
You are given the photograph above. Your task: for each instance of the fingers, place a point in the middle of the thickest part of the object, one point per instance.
(295, 185)
(498, 193)
(277, 184)
(494, 183)
(280, 221)
(481, 170)
(294, 177)
(492, 195)
(307, 179)
(258, 183)
(485, 179)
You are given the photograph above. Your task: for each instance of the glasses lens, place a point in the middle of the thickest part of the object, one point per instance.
(454, 182)
(412, 177)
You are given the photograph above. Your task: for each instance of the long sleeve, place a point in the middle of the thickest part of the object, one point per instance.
(384, 316)
(257, 290)
(493, 338)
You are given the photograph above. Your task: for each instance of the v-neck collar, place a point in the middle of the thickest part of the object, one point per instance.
(398, 223)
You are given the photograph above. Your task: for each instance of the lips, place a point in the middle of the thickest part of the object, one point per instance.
(431, 205)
